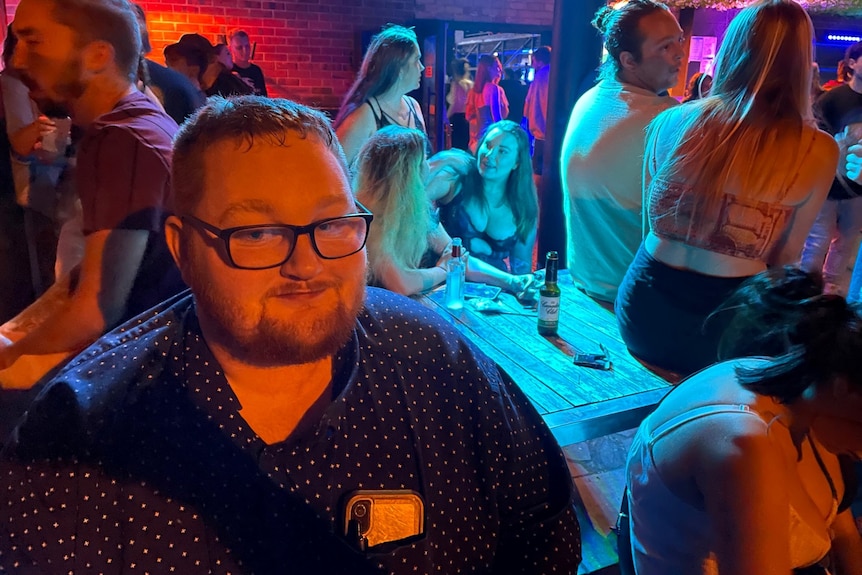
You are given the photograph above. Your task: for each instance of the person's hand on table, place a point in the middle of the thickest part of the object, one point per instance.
(443, 260)
(518, 283)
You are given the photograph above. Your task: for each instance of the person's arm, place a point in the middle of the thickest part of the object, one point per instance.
(846, 545)
(446, 173)
(539, 531)
(478, 270)
(439, 239)
(542, 102)
(817, 173)
(355, 130)
(522, 254)
(24, 140)
(740, 473)
(496, 102)
(82, 306)
(19, 108)
(24, 125)
(483, 272)
(263, 90)
(409, 281)
(529, 104)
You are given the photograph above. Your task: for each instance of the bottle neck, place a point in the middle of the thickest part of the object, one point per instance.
(551, 272)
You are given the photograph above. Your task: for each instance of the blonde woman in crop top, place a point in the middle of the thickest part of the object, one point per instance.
(736, 471)
(732, 185)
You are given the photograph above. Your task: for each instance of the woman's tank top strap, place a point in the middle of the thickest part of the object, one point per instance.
(414, 116)
(697, 413)
(379, 120)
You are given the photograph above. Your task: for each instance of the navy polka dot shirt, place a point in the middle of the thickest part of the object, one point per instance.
(135, 459)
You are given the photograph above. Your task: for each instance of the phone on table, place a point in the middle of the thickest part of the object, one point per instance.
(474, 289)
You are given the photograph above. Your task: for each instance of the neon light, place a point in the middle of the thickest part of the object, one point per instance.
(843, 38)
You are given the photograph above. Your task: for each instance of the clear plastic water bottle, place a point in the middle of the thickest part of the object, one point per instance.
(455, 274)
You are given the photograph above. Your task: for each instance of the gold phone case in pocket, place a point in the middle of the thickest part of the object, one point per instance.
(384, 516)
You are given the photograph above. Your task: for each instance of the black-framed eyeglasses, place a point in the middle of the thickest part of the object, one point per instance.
(268, 246)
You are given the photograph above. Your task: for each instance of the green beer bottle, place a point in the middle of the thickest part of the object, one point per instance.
(549, 298)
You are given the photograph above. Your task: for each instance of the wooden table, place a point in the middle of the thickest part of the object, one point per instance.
(577, 403)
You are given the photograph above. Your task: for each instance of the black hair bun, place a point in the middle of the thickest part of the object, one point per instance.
(767, 310)
(823, 317)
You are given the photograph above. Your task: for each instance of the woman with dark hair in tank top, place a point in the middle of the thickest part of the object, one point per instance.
(732, 184)
(392, 67)
(491, 201)
(746, 468)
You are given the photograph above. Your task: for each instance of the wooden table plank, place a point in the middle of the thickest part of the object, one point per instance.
(577, 402)
(545, 398)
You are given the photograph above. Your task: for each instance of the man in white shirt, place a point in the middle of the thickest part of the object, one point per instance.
(603, 150)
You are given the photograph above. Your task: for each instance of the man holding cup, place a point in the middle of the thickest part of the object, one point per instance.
(84, 54)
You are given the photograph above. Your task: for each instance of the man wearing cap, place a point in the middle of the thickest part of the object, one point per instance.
(176, 92)
(195, 57)
(85, 54)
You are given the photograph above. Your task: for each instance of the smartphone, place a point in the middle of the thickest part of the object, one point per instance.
(375, 517)
(593, 360)
(473, 289)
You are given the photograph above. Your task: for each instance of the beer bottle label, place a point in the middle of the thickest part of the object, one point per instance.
(549, 310)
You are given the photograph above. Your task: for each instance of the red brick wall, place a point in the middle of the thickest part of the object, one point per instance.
(306, 47)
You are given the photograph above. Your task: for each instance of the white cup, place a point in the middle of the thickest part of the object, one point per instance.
(57, 139)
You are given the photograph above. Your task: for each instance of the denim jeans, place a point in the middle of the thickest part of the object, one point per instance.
(833, 244)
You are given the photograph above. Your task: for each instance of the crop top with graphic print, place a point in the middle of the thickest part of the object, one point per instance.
(745, 228)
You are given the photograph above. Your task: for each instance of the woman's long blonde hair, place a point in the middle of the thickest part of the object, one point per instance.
(388, 181)
(761, 93)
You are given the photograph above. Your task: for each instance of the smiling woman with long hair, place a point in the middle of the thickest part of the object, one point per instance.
(732, 184)
(493, 205)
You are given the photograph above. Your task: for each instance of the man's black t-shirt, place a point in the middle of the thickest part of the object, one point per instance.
(835, 110)
(178, 95)
(255, 75)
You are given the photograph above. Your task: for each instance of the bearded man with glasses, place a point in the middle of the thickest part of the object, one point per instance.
(281, 418)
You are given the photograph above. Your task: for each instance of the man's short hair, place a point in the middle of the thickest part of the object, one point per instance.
(620, 29)
(111, 21)
(542, 54)
(237, 34)
(853, 52)
(242, 120)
